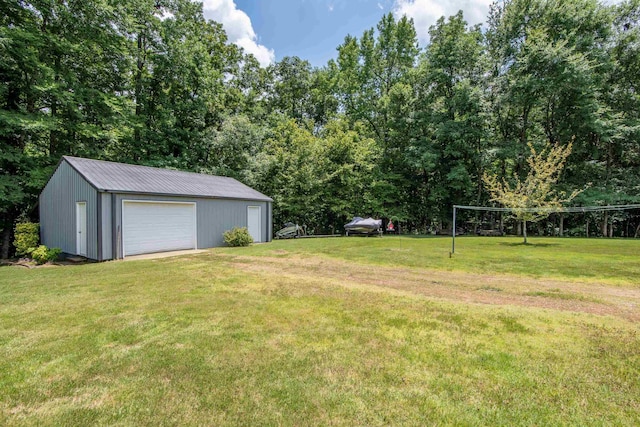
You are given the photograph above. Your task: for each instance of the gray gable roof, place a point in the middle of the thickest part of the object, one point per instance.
(121, 177)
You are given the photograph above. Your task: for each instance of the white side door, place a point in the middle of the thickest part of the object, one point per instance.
(81, 228)
(254, 223)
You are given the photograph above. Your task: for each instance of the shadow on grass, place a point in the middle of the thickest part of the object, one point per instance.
(529, 245)
(417, 236)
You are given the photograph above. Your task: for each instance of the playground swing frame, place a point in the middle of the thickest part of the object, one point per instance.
(573, 209)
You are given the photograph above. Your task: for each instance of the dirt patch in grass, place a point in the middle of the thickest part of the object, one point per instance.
(460, 286)
(280, 252)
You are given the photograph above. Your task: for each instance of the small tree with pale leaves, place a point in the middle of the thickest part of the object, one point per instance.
(535, 197)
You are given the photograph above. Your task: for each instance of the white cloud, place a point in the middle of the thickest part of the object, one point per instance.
(239, 29)
(425, 13)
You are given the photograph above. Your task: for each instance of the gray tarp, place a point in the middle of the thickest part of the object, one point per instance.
(362, 225)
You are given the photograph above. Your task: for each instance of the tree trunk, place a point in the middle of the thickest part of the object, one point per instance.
(637, 233)
(53, 109)
(501, 224)
(524, 231)
(604, 224)
(587, 227)
(138, 90)
(561, 225)
(6, 242)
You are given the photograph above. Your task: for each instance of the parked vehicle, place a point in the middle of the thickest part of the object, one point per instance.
(368, 226)
(290, 231)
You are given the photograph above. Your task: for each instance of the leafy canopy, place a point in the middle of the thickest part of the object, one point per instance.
(536, 196)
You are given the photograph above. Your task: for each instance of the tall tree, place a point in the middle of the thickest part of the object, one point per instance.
(535, 197)
(372, 73)
(450, 143)
(548, 62)
(58, 96)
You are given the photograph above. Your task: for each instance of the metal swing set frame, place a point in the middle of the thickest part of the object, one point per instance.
(572, 209)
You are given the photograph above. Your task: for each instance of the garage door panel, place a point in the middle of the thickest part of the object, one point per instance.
(158, 226)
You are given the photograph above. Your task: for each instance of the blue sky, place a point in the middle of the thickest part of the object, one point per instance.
(311, 29)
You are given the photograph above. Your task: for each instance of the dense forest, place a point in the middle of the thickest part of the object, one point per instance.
(389, 128)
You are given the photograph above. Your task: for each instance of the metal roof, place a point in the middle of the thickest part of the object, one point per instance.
(125, 178)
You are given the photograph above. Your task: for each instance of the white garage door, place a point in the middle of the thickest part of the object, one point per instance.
(157, 227)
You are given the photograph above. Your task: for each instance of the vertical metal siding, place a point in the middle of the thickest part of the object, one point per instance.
(217, 216)
(58, 211)
(214, 216)
(107, 233)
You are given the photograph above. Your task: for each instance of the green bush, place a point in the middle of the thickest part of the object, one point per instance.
(238, 236)
(43, 254)
(27, 236)
(54, 254)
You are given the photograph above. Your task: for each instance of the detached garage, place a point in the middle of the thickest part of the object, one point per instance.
(105, 210)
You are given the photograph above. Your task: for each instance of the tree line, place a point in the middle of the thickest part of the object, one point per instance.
(390, 128)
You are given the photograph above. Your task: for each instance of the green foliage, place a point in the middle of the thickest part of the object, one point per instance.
(319, 180)
(538, 190)
(390, 128)
(27, 236)
(43, 254)
(450, 114)
(233, 147)
(237, 236)
(372, 85)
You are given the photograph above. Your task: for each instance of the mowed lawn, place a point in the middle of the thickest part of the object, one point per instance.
(342, 331)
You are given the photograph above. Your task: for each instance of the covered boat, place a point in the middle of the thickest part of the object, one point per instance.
(363, 226)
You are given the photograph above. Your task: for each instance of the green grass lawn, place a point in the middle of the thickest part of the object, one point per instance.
(601, 260)
(329, 331)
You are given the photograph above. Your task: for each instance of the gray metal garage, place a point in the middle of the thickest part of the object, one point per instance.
(105, 210)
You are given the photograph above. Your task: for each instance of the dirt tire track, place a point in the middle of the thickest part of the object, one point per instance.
(600, 299)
